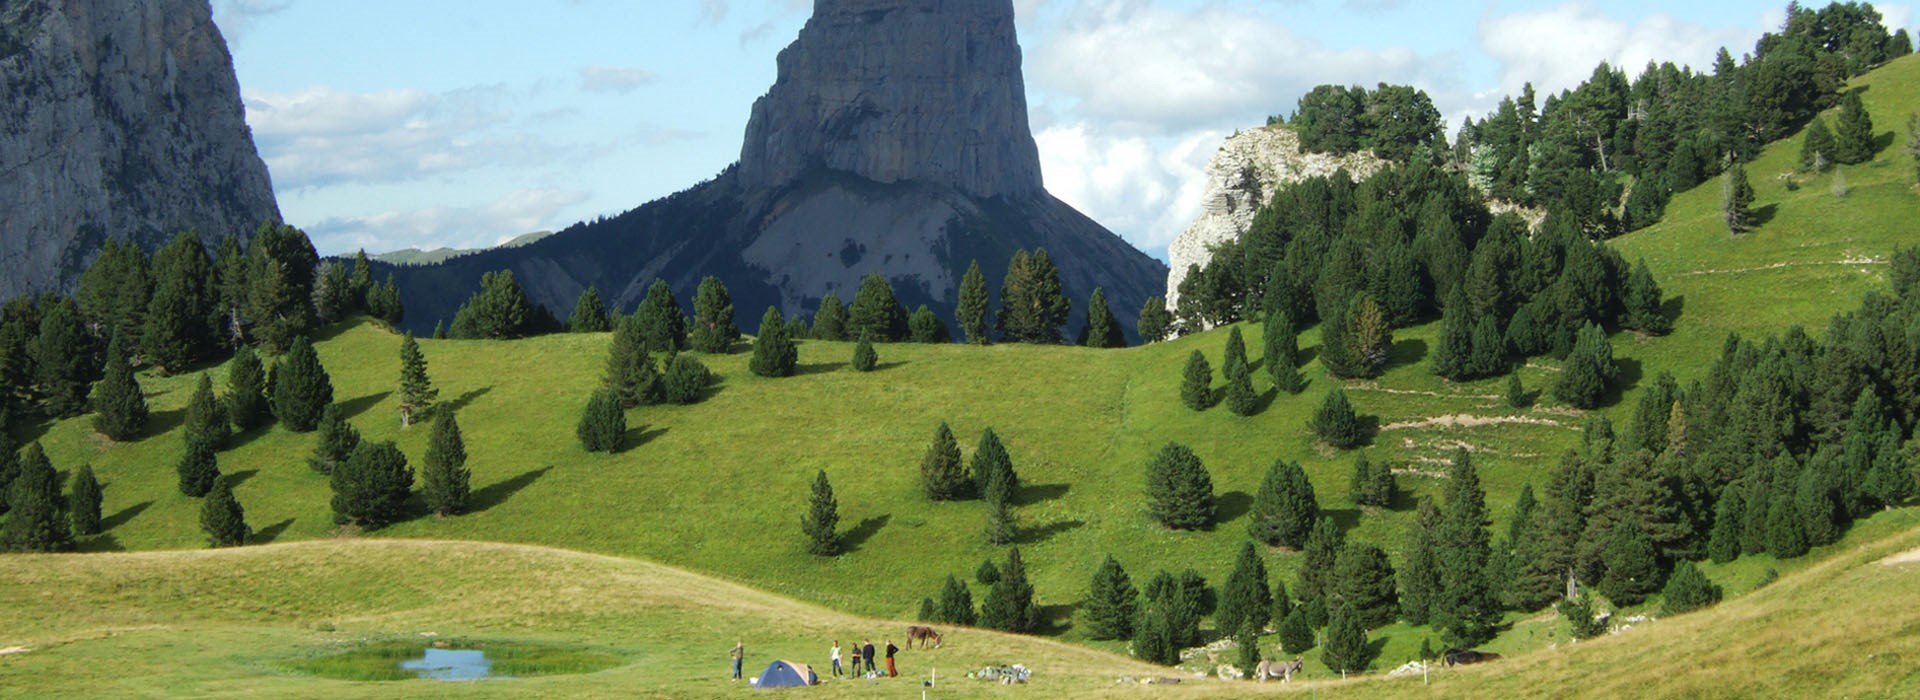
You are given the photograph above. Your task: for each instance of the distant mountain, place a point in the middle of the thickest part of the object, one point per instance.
(121, 120)
(416, 256)
(895, 140)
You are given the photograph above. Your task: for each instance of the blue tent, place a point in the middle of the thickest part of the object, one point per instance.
(786, 674)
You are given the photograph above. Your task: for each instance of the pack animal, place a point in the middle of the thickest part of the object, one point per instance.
(1462, 657)
(1275, 668)
(922, 634)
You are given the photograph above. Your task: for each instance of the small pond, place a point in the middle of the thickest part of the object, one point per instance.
(399, 659)
(451, 664)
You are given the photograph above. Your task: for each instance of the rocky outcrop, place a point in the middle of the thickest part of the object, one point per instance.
(895, 141)
(1249, 167)
(924, 91)
(121, 120)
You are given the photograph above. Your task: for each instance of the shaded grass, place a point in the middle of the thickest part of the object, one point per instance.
(379, 660)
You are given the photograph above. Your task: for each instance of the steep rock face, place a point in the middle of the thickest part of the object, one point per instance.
(1249, 167)
(894, 142)
(895, 91)
(121, 119)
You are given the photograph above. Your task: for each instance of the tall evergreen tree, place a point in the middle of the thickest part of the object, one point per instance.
(1335, 423)
(417, 393)
(1466, 609)
(1239, 395)
(1103, 330)
(972, 308)
(1489, 348)
(84, 504)
(991, 464)
(685, 381)
(206, 415)
(1632, 567)
(1112, 604)
(65, 360)
(925, 326)
(1248, 641)
(222, 518)
(1346, 650)
(120, 405)
(371, 488)
(114, 292)
(1281, 352)
(1816, 147)
(1033, 305)
(1321, 554)
(865, 359)
(336, 440)
(230, 290)
(1853, 132)
(604, 425)
(1643, 300)
(361, 283)
(774, 354)
(1729, 511)
(1285, 508)
(822, 519)
(1009, 606)
(35, 522)
(1589, 371)
(280, 276)
(942, 475)
(630, 371)
(445, 482)
(713, 329)
(830, 322)
(1179, 490)
(332, 292)
(302, 388)
(1001, 528)
(1687, 590)
(183, 311)
(1364, 580)
(659, 321)
(1453, 351)
(956, 603)
(1196, 386)
(1153, 637)
(199, 467)
(589, 313)
(247, 391)
(1420, 576)
(1296, 634)
(1736, 200)
(499, 310)
(383, 302)
(876, 311)
(1245, 601)
(1372, 485)
(1155, 320)
(1368, 339)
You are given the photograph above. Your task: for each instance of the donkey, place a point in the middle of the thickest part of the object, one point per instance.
(1274, 668)
(922, 634)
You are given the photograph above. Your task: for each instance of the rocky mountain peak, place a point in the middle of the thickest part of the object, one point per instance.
(925, 91)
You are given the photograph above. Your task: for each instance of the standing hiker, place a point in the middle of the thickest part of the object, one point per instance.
(836, 658)
(866, 652)
(854, 670)
(739, 655)
(891, 671)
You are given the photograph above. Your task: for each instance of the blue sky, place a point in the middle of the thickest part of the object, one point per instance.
(424, 123)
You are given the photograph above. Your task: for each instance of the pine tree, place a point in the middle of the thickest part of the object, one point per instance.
(1296, 635)
(199, 467)
(821, 519)
(1179, 603)
(685, 381)
(658, 320)
(876, 312)
(924, 326)
(1816, 147)
(222, 518)
(301, 388)
(589, 313)
(229, 278)
(1346, 650)
(1818, 513)
(1466, 609)
(1102, 329)
(362, 282)
(182, 313)
(1245, 601)
(1729, 511)
(713, 328)
(1153, 638)
(1369, 338)
(1643, 300)
(1033, 305)
(1196, 387)
(864, 357)
(972, 308)
(1632, 567)
(122, 408)
(1580, 617)
(1248, 642)
(1516, 392)
(1736, 200)
(416, 390)
(445, 482)
(1009, 606)
(1154, 320)
(1321, 554)
(1489, 349)
(774, 354)
(35, 522)
(383, 302)
(65, 360)
(279, 277)
(1453, 350)
(439, 330)
(630, 372)
(1334, 422)
(956, 603)
(942, 475)
(604, 425)
(84, 505)
(927, 610)
(830, 322)
(1589, 371)
(206, 416)
(332, 292)
(1239, 395)
(499, 310)
(1001, 528)
(1282, 603)
(337, 439)
(1420, 577)
(1853, 132)
(1112, 603)
(987, 573)
(1364, 579)
(115, 291)
(1285, 508)
(1687, 590)
(246, 391)
(370, 490)
(1281, 352)
(1179, 490)
(991, 463)
(1786, 538)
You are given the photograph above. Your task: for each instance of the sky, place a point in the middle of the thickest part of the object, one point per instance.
(428, 123)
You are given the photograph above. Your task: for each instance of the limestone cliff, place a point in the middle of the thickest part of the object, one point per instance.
(121, 119)
(1249, 167)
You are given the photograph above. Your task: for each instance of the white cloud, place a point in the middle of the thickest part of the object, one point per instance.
(615, 78)
(515, 213)
(236, 17)
(1557, 48)
(713, 10)
(1147, 190)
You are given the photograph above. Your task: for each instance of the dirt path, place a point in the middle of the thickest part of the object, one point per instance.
(1851, 261)
(1911, 556)
(1461, 420)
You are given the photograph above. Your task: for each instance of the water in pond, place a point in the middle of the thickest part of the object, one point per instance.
(450, 664)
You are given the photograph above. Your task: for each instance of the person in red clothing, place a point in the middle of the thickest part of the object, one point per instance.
(891, 671)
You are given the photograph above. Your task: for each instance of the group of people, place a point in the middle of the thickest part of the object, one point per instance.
(864, 652)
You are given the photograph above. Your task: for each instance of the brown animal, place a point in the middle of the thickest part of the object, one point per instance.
(922, 634)
(1462, 657)
(1275, 668)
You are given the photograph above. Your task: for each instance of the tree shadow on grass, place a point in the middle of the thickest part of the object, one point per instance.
(857, 536)
(1406, 352)
(161, 422)
(98, 543)
(499, 492)
(271, 532)
(125, 514)
(354, 407)
(637, 436)
(1056, 619)
(818, 368)
(1762, 215)
(467, 399)
(1231, 506)
(238, 478)
(884, 366)
(1628, 373)
(1673, 307)
(1345, 518)
(1029, 494)
(1045, 532)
